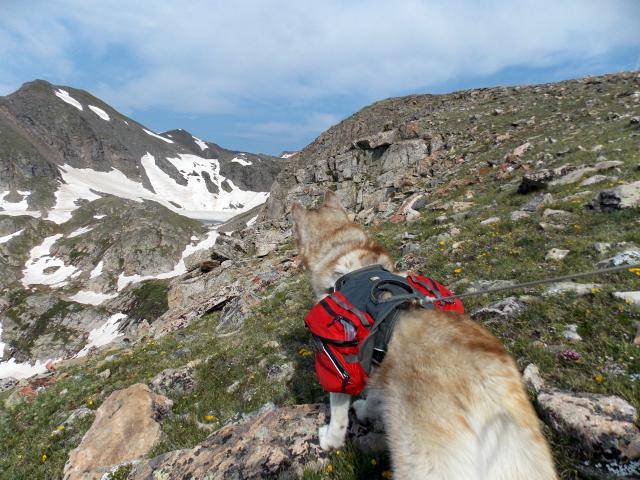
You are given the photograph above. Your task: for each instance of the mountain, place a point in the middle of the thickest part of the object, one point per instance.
(91, 202)
(210, 371)
(63, 145)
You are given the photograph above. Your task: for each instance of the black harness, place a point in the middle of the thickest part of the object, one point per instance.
(381, 294)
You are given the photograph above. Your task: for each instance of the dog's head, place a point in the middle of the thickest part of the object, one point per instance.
(331, 245)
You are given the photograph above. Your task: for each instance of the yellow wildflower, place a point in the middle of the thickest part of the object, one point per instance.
(387, 474)
(635, 270)
(60, 428)
(303, 352)
(209, 418)
(338, 452)
(329, 468)
(441, 242)
(44, 457)
(598, 378)
(458, 270)
(594, 290)
(374, 462)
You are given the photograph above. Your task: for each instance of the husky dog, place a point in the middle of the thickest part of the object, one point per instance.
(449, 395)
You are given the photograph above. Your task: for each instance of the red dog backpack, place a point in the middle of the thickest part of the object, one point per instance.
(351, 327)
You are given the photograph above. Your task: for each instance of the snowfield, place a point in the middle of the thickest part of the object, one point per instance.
(65, 97)
(194, 199)
(203, 146)
(100, 112)
(6, 238)
(103, 335)
(15, 209)
(92, 298)
(148, 132)
(79, 231)
(241, 161)
(41, 260)
(13, 369)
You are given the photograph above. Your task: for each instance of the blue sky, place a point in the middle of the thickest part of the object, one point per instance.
(272, 75)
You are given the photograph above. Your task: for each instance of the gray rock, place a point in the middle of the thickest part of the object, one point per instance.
(538, 201)
(175, 382)
(579, 289)
(281, 373)
(632, 298)
(274, 441)
(593, 180)
(508, 308)
(571, 333)
(379, 139)
(629, 256)
(601, 247)
(556, 254)
(490, 221)
(623, 196)
(601, 423)
(532, 379)
(518, 215)
(78, 414)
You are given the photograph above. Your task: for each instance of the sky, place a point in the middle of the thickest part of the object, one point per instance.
(267, 76)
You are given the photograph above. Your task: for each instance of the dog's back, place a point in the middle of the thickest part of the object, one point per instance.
(454, 406)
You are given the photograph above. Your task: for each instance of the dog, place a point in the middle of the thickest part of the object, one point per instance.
(450, 396)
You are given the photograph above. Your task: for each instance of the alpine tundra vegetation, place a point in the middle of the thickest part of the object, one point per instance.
(117, 291)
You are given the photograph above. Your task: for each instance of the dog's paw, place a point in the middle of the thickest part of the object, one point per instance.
(360, 409)
(329, 441)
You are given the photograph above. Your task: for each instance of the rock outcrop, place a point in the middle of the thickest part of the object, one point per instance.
(125, 428)
(273, 441)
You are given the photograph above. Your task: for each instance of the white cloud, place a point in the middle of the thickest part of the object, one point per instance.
(208, 57)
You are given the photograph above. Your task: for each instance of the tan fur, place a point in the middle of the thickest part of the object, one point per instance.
(451, 397)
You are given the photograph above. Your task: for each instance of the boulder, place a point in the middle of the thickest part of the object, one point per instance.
(556, 254)
(601, 423)
(175, 381)
(273, 441)
(630, 256)
(623, 196)
(572, 287)
(125, 428)
(632, 298)
(506, 309)
(380, 139)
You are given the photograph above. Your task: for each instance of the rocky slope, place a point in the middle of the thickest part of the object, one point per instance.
(477, 189)
(92, 202)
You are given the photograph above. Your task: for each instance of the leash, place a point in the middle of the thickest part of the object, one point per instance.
(533, 283)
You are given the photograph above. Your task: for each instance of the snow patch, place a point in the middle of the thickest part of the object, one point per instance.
(79, 231)
(92, 298)
(6, 238)
(97, 270)
(39, 260)
(179, 269)
(288, 154)
(157, 136)
(13, 369)
(15, 209)
(65, 97)
(98, 217)
(203, 146)
(195, 200)
(241, 161)
(252, 220)
(103, 335)
(99, 112)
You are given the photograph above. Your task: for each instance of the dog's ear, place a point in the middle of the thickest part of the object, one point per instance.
(299, 215)
(332, 200)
